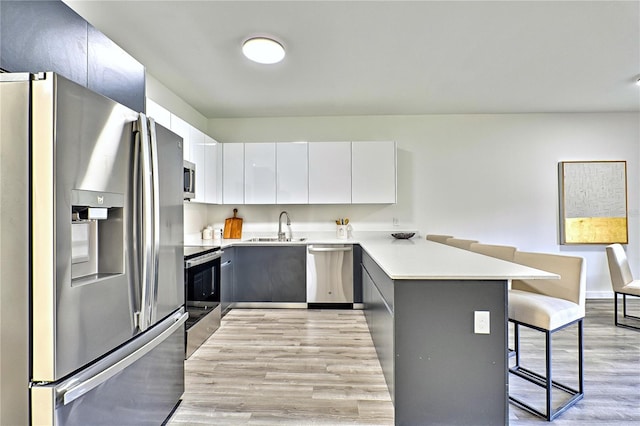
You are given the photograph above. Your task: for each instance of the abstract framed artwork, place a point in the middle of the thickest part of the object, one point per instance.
(593, 202)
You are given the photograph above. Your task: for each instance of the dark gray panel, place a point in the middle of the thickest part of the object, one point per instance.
(114, 73)
(226, 278)
(357, 273)
(270, 274)
(446, 374)
(380, 322)
(288, 274)
(43, 36)
(250, 280)
(380, 278)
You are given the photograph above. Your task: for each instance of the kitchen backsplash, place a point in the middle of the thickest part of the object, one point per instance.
(304, 218)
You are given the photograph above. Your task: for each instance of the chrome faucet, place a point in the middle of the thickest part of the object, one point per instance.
(281, 235)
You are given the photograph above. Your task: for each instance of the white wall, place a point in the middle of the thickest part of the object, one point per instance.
(487, 177)
(195, 215)
(169, 100)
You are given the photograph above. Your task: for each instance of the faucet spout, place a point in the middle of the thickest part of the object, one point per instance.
(282, 235)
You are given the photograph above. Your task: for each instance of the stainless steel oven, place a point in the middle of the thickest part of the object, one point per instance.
(202, 294)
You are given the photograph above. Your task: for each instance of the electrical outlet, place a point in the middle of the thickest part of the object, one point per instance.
(481, 322)
(396, 222)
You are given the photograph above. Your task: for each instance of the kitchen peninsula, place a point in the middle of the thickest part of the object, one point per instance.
(420, 300)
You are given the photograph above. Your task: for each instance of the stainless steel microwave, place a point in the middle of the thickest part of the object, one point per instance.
(189, 180)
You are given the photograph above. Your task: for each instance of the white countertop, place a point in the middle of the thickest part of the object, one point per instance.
(419, 259)
(412, 259)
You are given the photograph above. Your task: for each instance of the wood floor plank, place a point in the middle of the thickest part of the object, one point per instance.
(319, 367)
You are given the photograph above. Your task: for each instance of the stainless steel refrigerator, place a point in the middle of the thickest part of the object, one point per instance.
(91, 258)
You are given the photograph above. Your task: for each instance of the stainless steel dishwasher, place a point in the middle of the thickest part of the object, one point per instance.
(330, 275)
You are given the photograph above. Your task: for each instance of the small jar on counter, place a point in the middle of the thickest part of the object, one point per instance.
(207, 233)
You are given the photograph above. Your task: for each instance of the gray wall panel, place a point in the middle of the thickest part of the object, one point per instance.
(446, 374)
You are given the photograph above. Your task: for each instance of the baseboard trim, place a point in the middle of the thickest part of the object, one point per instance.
(599, 294)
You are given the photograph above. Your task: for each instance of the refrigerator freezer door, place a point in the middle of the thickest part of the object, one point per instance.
(82, 146)
(139, 384)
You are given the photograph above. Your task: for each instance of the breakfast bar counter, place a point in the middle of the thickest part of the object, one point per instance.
(421, 299)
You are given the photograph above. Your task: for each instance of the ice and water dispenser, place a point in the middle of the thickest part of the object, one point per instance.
(97, 235)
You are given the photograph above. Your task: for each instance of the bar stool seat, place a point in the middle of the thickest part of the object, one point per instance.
(542, 311)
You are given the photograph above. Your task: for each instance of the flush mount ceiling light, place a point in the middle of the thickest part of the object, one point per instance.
(638, 82)
(263, 50)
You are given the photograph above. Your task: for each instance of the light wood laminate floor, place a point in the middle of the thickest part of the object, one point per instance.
(300, 367)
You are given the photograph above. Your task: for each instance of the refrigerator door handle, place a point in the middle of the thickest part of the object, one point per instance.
(137, 220)
(86, 386)
(153, 139)
(147, 227)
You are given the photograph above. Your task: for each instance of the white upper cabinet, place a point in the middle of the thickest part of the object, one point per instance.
(196, 140)
(329, 173)
(373, 168)
(160, 114)
(183, 129)
(212, 171)
(260, 173)
(292, 173)
(233, 173)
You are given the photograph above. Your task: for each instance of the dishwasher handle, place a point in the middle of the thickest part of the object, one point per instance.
(313, 249)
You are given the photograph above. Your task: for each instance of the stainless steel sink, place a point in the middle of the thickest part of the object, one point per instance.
(275, 240)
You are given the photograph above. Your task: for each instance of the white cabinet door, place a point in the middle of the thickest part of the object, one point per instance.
(233, 173)
(292, 173)
(196, 139)
(212, 171)
(182, 128)
(329, 172)
(259, 173)
(373, 170)
(160, 114)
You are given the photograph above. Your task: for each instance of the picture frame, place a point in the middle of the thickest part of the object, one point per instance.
(593, 202)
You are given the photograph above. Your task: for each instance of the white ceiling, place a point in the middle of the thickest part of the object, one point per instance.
(385, 57)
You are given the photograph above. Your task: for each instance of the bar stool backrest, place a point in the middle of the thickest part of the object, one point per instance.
(493, 250)
(618, 267)
(572, 270)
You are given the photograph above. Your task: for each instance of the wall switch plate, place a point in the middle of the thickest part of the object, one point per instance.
(396, 222)
(481, 322)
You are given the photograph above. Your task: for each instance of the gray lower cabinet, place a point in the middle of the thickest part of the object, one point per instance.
(437, 370)
(270, 274)
(379, 318)
(226, 279)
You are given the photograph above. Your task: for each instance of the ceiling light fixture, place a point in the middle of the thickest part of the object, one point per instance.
(638, 82)
(263, 50)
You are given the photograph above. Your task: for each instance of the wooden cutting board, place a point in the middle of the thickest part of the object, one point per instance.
(233, 226)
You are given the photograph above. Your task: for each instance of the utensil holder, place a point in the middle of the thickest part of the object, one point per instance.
(341, 232)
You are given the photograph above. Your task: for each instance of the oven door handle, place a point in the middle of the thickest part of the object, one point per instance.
(195, 262)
